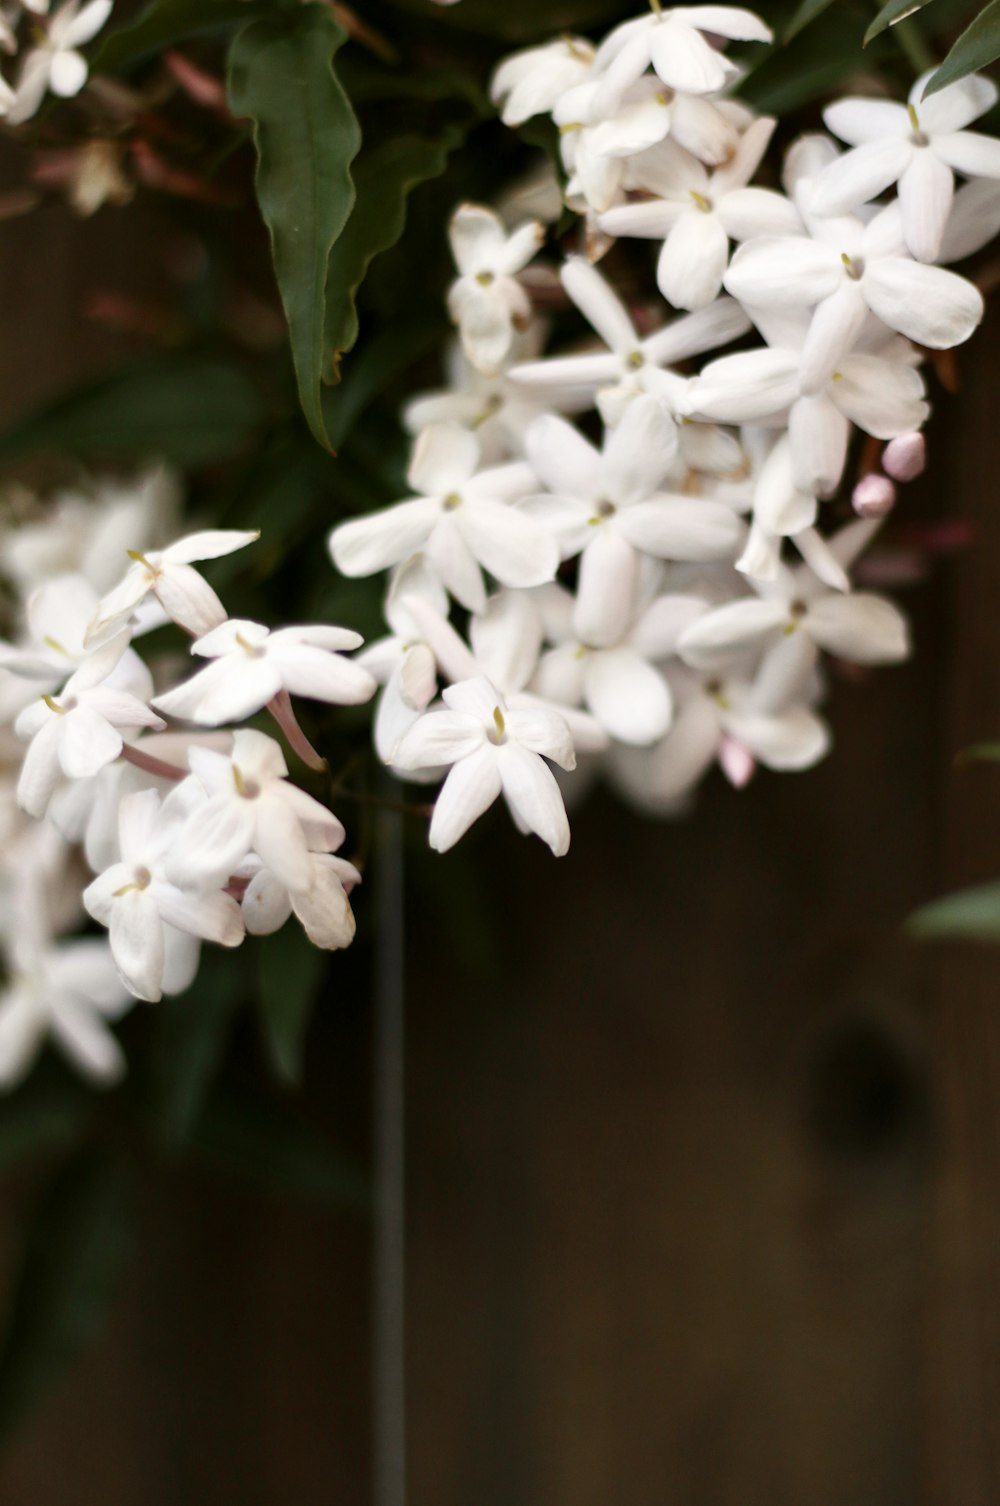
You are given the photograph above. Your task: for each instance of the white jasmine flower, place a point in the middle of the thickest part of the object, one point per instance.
(598, 136)
(461, 522)
(323, 908)
(79, 731)
(697, 213)
(486, 301)
(918, 146)
(672, 42)
(251, 665)
(142, 908)
(251, 807)
(68, 991)
(492, 749)
(532, 82)
(56, 63)
(403, 663)
(612, 507)
(167, 574)
(865, 270)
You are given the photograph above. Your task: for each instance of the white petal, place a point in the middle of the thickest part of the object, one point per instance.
(694, 333)
(266, 904)
(40, 770)
(444, 457)
(694, 256)
(86, 1039)
(211, 917)
(727, 632)
(633, 128)
(136, 932)
(778, 271)
(970, 153)
(682, 528)
(629, 698)
(367, 545)
(532, 793)
(541, 729)
(280, 842)
(485, 324)
(470, 789)
(605, 592)
(598, 304)
(212, 843)
(209, 544)
(684, 60)
(189, 600)
(67, 74)
(797, 739)
(229, 690)
(438, 738)
(563, 459)
(477, 238)
(324, 909)
(657, 777)
(925, 194)
(819, 435)
(638, 453)
(755, 384)
(858, 121)
(881, 397)
(745, 213)
(506, 640)
(731, 21)
(833, 329)
(85, 25)
(137, 815)
(515, 548)
(974, 220)
(321, 676)
(957, 105)
(862, 628)
(860, 175)
(88, 742)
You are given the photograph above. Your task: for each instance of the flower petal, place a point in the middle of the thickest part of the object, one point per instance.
(860, 627)
(367, 545)
(629, 698)
(532, 793)
(470, 789)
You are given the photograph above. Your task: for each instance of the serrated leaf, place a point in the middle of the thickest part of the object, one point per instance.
(72, 1262)
(807, 11)
(281, 77)
(973, 914)
(978, 46)
(895, 10)
(167, 22)
(289, 969)
(189, 409)
(384, 180)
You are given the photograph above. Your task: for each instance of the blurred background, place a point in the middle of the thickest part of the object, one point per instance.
(702, 1154)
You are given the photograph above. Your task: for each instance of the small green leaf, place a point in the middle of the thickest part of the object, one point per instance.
(978, 46)
(972, 913)
(167, 22)
(289, 970)
(71, 1266)
(807, 11)
(384, 179)
(281, 76)
(895, 10)
(190, 409)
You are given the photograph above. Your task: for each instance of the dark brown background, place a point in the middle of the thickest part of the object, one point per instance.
(704, 1166)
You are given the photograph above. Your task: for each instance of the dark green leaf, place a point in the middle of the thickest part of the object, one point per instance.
(978, 46)
(191, 1035)
(384, 179)
(383, 358)
(895, 10)
(807, 11)
(281, 77)
(167, 22)
(70, 1270)
(248, 1137)
(289, 969)
(192, 410)
(787, 78)
(972, 913)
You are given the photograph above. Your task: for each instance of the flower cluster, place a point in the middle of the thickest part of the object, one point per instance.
(47, 42)
(190, 834)
(619, 551)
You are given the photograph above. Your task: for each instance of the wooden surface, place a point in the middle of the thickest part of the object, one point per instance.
(704, 1159)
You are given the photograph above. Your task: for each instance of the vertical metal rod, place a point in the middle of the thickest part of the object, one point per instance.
(389, 1256)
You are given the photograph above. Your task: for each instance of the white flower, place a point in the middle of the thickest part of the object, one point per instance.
(631, 365)
(402, 663)
(486, 301)
(251, 665)
(251, 807)
(612, 507)
(323, 908)
(533, 81)
(600, 137)
(672, 41)
(696, 214)
(918, 146)
(863, 270)
(462, 521)
(56, 64)
(144, 911)
(167, 574)
(492, 749)
(79, 731)
(69, 991)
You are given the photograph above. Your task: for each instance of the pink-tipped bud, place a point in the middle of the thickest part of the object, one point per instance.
(737, 762)
(905, 456)
(873, 497)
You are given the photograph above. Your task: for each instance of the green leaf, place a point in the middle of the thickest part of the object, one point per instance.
(71, 1266)
(191, 1036)
(245, 1136)
(972, 913)
(289, 970)
(984, 752)
(384, 180)
(978, 46)
(190, 409)
(807, 11)
(167, 22)
(895, 10)
(281, 77)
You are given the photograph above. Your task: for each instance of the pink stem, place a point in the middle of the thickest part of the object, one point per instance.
(281, 709)
(151, 765)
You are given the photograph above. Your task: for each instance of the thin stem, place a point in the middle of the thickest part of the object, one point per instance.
(150, 765)
(389, 1258)
(284, 714)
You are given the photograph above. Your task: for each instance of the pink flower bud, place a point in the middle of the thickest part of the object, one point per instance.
(874, 496)
(905, 457)
(737, 762)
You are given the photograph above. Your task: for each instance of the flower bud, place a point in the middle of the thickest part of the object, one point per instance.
(874, 496)
(737, 762)
(905, 456)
